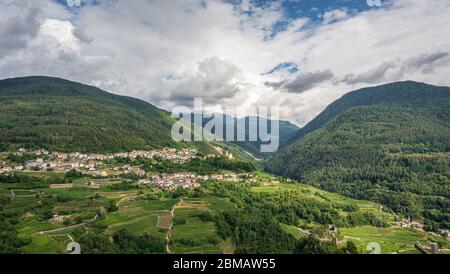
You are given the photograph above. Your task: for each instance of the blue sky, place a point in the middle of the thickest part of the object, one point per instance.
(292, 9)
(312, 8)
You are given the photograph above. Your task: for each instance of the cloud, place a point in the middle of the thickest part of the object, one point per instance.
(334, 15)
(214, 80)
(80, 33)
(427, 63)
(303, 82)
(166, 52)
(396, 69)
(374, 75)
(19, 24)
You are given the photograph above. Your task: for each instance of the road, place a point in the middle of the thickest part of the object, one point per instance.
(67, 227)
(253, 156)
(126, 198)
(169, 231)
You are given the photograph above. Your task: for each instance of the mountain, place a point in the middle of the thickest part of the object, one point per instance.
(44, 112)
(287, 130)
(407, 93)
(388, 144)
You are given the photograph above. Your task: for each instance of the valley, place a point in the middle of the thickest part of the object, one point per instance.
(122, 215)
(369, 173)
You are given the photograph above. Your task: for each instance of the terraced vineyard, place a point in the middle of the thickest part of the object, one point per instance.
(192, 232)
(203, 220)
(393, 239)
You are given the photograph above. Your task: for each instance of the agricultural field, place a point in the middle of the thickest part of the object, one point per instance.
(193, 232)
(50, 218)
(186, 221)
(392, 240)
(308, 191)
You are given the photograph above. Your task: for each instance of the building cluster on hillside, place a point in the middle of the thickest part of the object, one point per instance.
(222, 152)
(188, 180)
(91, 163)
(100, 165)
(173, 181)
(446, 233)
(408, 223)
(4, 168)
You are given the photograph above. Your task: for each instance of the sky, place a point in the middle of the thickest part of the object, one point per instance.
(300, 55)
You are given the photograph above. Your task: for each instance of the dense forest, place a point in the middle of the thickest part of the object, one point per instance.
(42, 112)
(389, 144)
(197, 165)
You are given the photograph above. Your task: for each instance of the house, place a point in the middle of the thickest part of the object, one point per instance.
(33, 165)
(58, 219)
(332, 228)
(219, 149)
(93, 185)
(7, 169)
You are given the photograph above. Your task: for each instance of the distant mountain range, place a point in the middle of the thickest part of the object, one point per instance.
(389, 144)
(287, 130)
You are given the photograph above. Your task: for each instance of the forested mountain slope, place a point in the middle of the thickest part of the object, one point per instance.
(44, 112)
(389, 144)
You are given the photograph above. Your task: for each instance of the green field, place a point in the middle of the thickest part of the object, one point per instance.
(391, 240)
(194, 229)
(308, 191)
(195, 235)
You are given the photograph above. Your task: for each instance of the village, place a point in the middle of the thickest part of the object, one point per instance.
(91, 164)
(99, 166)
(190, 180)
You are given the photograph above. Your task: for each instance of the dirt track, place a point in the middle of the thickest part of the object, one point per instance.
(169, 231)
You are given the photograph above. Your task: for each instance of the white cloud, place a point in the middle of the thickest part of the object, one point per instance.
(168, 51)
(334, 15)
(214, 80)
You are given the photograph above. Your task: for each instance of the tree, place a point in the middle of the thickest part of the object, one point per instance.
(352, 248)
(74, 174)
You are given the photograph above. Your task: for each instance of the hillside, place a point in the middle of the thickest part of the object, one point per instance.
(45, 112)
(407, 93)
(287, 130)
(389, 144)
(58, 114)
(257, 214)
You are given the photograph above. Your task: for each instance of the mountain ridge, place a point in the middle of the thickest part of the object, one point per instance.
(335, 108)
(57, 113)
(390, 146)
